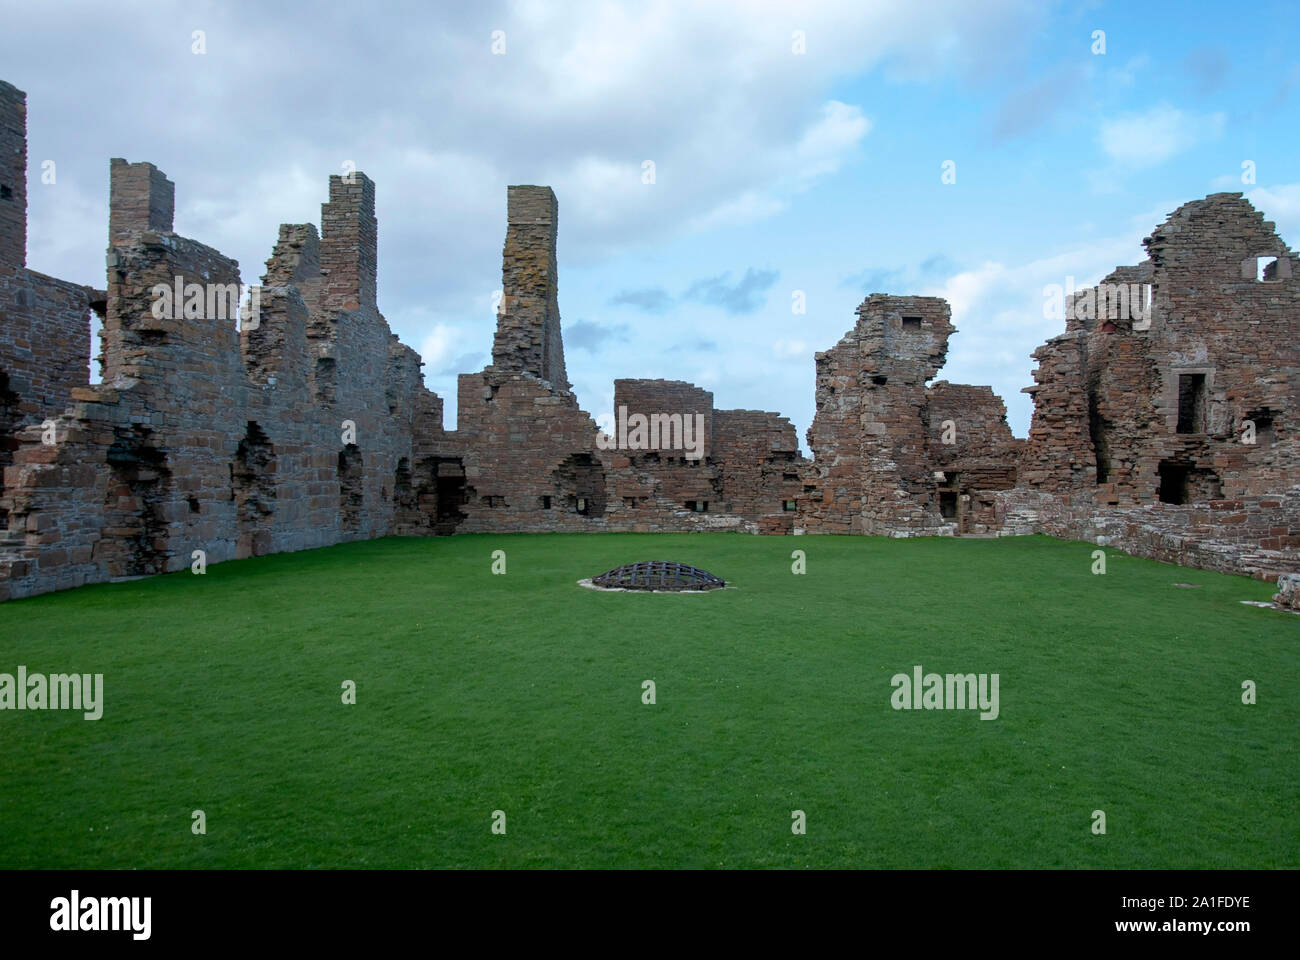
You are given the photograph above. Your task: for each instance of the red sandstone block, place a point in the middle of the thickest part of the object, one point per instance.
(45, 478)
(1270, 503)
(1226, 504)
(53, 558)
(1271, 543)
(45, 453)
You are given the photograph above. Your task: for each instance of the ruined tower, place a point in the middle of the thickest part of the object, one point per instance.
(528, 321)
(870, 435)
(140, 197)
(349, 244)
(13, 177)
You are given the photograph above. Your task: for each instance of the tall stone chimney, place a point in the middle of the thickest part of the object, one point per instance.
(140, 197)
(349, 244)
(528, 336)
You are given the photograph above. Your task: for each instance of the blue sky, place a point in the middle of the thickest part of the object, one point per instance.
(775, 171)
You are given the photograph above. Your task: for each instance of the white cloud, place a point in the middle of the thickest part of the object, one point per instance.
(1229, 182)
(784, 349)
(1147, 139)
(826, 143)
(736, 122)
(1126, 75)
(440, 344)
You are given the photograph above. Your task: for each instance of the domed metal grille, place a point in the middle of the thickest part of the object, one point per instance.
(658, 575)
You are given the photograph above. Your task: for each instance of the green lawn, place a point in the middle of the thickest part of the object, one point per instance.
(523, 693)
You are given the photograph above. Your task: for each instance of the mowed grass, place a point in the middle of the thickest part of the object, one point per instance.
(523, 693)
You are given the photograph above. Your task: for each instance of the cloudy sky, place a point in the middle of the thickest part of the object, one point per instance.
(796, 148)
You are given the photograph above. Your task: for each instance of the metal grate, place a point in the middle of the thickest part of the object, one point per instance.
(658, 575)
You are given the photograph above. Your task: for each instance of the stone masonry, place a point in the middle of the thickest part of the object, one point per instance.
(1178, 424)
(232, 422)
(44, 322)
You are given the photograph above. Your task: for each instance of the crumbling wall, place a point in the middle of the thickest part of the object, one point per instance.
(973, 453)
(758, 457)
(44, 322)
(1059, 455)
(218, 431)
(1255, 536)
(659, 484)
(299, 420)
(1141, 410)
(13, 176)
(1171, 389)
(514, 433)
(873, 470)
(665, 406)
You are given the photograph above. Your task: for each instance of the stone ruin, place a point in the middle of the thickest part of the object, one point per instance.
(307, 423)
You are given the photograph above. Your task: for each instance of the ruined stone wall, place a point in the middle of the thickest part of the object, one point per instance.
(529, 456)
(292, 431)
(1145, 411)
(44, 322)
(758, 456)
(1257, 536)
(658, 399)
(1059, 454)
(1108, 391)
(44, 344)
(973, 452)
(965, 422)
(525, 457)
(1121, 388)
(140, 198)
(305, 422)
(532, 462)
(656, 483)
(873, 470)
(1213, 316)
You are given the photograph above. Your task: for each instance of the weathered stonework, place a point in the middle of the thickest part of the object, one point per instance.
(891, 456)
(528, 328)
(306, 422)
(974, 453)
(285, 434)
(44, 322)
(1137, 416)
